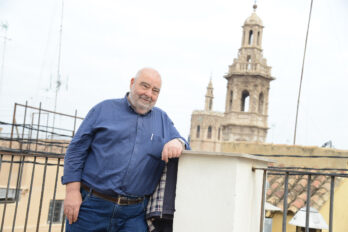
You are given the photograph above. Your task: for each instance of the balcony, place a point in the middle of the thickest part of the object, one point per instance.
(215, 191)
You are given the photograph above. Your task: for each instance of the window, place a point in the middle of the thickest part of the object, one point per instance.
(198, 131)
(249, 62)
(219, 133)
(250, 37)
(258, 38)
(209, 132)
(267, 226)
(231, 100)
(55, 211)
(245, 101)
(11, 195)
(210, 104)
(303, 229)
(261, 103)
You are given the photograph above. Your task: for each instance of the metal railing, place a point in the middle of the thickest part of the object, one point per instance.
(27, 175)
(332, 173)
(31, 161)
(30, 164)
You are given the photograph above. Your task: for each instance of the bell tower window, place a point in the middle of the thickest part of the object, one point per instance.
(209, 132)
(250, 37)
(261, 103)
(245, 101)
(258, 38)
(249, 62)
(198, 131)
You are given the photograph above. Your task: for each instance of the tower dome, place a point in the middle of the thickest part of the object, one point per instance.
(253, 19)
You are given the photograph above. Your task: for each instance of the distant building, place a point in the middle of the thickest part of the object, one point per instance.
(246, 109)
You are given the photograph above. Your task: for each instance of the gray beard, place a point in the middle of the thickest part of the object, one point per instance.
(139, 105)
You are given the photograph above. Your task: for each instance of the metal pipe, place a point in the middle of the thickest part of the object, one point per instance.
(63, 223)
(332, 193)
(33, 170)
(30, 131)
(303, 63)
(54, 195)
(18, 187)
(49, 111)
(13, 123)
(285, 201)
(24, 121)
(263, 199)
(20, 171)
(6, 195)
(308, 202)
(38, 127)
(30, 192)
(42, 194)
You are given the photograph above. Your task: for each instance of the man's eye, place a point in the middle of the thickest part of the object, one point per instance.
(145, 86)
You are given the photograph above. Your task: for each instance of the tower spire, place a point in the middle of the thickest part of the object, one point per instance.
(209, 96)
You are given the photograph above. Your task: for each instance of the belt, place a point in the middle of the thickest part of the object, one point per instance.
(118, 199)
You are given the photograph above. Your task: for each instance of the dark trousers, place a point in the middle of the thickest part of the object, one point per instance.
(163, 225)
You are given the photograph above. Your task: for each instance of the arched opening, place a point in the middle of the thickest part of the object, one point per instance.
(219, 133)
(261, 103)
(249, 62)
(258, 38)
(231, 100)
(210, 104)
(198, 131)
(209, 132)
(250, 37)
(245, 101)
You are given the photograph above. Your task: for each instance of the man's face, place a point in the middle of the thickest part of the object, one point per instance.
(144, 91)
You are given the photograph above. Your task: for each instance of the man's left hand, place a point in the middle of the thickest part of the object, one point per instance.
(172, 149)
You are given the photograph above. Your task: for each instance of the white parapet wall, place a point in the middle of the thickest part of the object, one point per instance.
(218, 192)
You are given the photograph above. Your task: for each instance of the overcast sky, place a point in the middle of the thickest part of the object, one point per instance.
(105, 42)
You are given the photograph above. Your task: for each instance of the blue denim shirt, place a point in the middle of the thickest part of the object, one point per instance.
(116, 150)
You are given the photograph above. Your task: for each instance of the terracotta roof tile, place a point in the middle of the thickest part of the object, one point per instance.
(297, 191)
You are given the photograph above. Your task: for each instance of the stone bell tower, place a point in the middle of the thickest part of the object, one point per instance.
(248, 81)
(209, 97)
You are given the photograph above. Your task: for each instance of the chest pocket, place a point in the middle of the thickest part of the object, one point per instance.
(155, 146)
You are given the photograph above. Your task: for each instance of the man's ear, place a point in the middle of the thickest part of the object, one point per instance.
(132, 82)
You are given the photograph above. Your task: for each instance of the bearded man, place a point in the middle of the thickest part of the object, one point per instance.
(115, 160)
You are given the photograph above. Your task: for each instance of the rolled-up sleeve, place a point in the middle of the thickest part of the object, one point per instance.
(78, 149)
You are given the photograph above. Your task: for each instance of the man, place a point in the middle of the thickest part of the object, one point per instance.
(115, 160)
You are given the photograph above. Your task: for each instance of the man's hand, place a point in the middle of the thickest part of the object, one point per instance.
(172, 149)
(72, 201)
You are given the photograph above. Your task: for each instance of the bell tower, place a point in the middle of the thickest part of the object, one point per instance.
(209, 96)
(248, 83)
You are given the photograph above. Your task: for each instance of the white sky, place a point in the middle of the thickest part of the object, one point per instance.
(105, 42)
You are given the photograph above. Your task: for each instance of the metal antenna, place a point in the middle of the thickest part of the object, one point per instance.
(58, 83)
(4, 26)
(303, 62)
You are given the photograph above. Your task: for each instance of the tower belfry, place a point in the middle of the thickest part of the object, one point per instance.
(248, 79)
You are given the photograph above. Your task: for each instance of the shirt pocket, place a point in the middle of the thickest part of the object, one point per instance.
(155, 146)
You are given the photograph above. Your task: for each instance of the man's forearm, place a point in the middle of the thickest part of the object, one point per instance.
(73, 186)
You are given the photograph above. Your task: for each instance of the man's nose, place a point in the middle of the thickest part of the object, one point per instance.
(148, 93)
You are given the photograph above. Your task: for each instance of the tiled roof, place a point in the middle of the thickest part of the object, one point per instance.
(297, 191)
